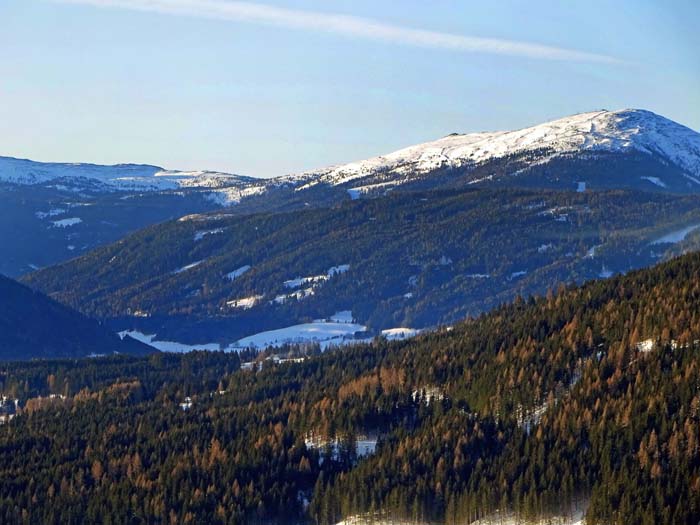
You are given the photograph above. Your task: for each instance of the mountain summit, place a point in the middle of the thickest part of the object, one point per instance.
(623, 132)
(659, 153)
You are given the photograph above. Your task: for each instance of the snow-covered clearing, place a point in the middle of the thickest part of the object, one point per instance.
(646, 346)
(359, 191)
(377, 520)
(51, 213)
(676, 236)
(66, 223)
(428, 394)
(337, 270)
(344, 316)
(298, 295)
(325, 333)
(528, 420)
(188, 267)
(365, 445)
(655, 181)
(316, 279)
(201, 234)
(278, 360)
(394, 334)
(575, 517)
(300, 281)
(234, 194)
(235, 274)
(244, 303)
(168, 346)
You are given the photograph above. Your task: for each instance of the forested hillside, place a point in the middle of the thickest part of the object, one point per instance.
(589, 394)
(51, 223)
(415, 260)
(34, 326)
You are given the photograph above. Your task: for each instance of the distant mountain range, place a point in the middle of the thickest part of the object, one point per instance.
(120, 177)
(54, 212)
(632, 149)
(587, 135)
(34, 326)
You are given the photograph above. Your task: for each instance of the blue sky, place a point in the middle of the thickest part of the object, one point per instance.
(281, 86)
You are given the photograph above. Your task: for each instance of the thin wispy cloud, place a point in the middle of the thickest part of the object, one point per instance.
(347, 26)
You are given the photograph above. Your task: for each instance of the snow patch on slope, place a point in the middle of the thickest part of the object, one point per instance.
(168, 346)
(397, 334)
(235, 274)
(313, 280)
(198, 236)
(188, 267)
(676, 236)
(325, 333)
(655, 181)
(298, 295)
(66, 223)
(244, 303)
(51, 213)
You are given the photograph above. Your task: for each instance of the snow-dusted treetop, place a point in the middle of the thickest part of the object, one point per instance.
(617, 131)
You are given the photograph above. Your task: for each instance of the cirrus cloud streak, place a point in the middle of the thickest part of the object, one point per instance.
(347, 26)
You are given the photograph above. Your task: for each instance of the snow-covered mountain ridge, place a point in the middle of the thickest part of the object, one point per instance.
(629, 130)
(582, 137)
(127, 177)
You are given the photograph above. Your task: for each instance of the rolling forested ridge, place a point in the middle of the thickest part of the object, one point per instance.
(415, 259)
(586, 396)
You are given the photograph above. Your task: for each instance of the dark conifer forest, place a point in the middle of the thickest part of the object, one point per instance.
(298, 262)
(586, 396)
